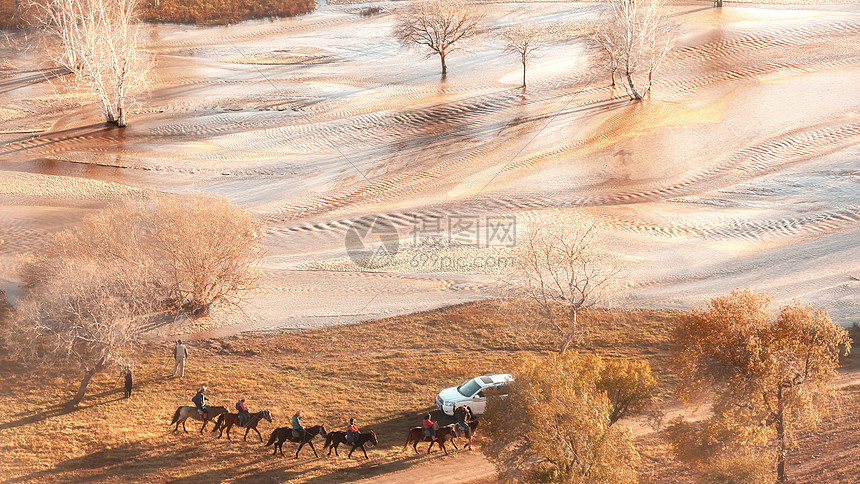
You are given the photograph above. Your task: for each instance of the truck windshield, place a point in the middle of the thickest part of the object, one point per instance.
(469, 388)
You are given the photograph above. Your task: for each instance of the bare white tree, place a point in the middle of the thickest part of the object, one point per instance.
(521, 40)
(91, 286)
(96, 40)
(83, 315)
(562, 266)
(439, 26)
(633, 38)
(208, 248)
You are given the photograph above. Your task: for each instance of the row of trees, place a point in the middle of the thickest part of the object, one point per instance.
(631, 38)
(97, 42)
(765, 375)
(91, 288)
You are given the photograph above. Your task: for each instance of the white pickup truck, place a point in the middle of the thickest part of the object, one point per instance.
(470, 393)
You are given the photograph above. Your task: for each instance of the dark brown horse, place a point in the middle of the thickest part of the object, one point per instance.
(226, 421)
(187, 411)
(334, 439)
(457, 431)
(283, 434)
(417, 435)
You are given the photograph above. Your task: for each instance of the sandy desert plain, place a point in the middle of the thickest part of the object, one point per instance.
(741, 168)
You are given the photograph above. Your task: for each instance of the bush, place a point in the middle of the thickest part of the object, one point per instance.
(200, 12)
(219, 12)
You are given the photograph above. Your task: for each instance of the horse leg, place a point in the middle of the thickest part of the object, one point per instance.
(313, 449)
(442, 444)
(301, 444)
(365, 452)
(431, 446)
(183, 426)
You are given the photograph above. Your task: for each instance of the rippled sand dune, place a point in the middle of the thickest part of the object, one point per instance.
(742, 169)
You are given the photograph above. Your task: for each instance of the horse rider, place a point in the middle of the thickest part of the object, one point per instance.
(429, 427)
(244, 414)
(351, 432)
(200, 401)
(462, 415)
(298, 428)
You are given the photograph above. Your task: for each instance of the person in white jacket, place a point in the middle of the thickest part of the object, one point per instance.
(180, 353)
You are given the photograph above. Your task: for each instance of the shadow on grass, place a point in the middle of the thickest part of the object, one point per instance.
(57, 410)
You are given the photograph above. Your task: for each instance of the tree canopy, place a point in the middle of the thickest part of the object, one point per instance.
(768, 374)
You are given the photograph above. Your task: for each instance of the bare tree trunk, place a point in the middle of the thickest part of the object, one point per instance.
(572, 333)
(120, 108)
(780, 437)
(88, 375)
(444, 66)
(633, 90)
(524, 75)
(612, 73)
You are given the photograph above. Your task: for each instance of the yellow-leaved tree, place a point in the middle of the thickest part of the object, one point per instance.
(769, 374)
(556, 422)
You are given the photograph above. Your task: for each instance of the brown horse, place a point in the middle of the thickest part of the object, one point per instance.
(226, 421)
(417, 435)
(334, 439)
(283, 434)
(457, 431)
(187, 411)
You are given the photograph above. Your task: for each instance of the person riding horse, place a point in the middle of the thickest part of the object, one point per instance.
(298, 428)
(200, 401)
(430, 427)
(351, 432)
(244, 413)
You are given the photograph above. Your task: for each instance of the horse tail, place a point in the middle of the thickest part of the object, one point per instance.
(219, 422)
(328, 439)
(176, 415)
(408, 439)
(272, 438)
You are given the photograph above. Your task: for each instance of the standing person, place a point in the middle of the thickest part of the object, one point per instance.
(429, 427)
(180, 352)
(129, 380)
(298, 428)
(351, 432)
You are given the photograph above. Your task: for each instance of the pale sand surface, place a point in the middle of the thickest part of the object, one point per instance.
(741, 170)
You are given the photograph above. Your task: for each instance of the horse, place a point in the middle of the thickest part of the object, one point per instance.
(226, 421)
(417, 435)
(334, 439)
(187, 411)
(283, 434)
(458, 431)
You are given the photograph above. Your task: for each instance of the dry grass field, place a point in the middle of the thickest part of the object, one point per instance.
(384, 373)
